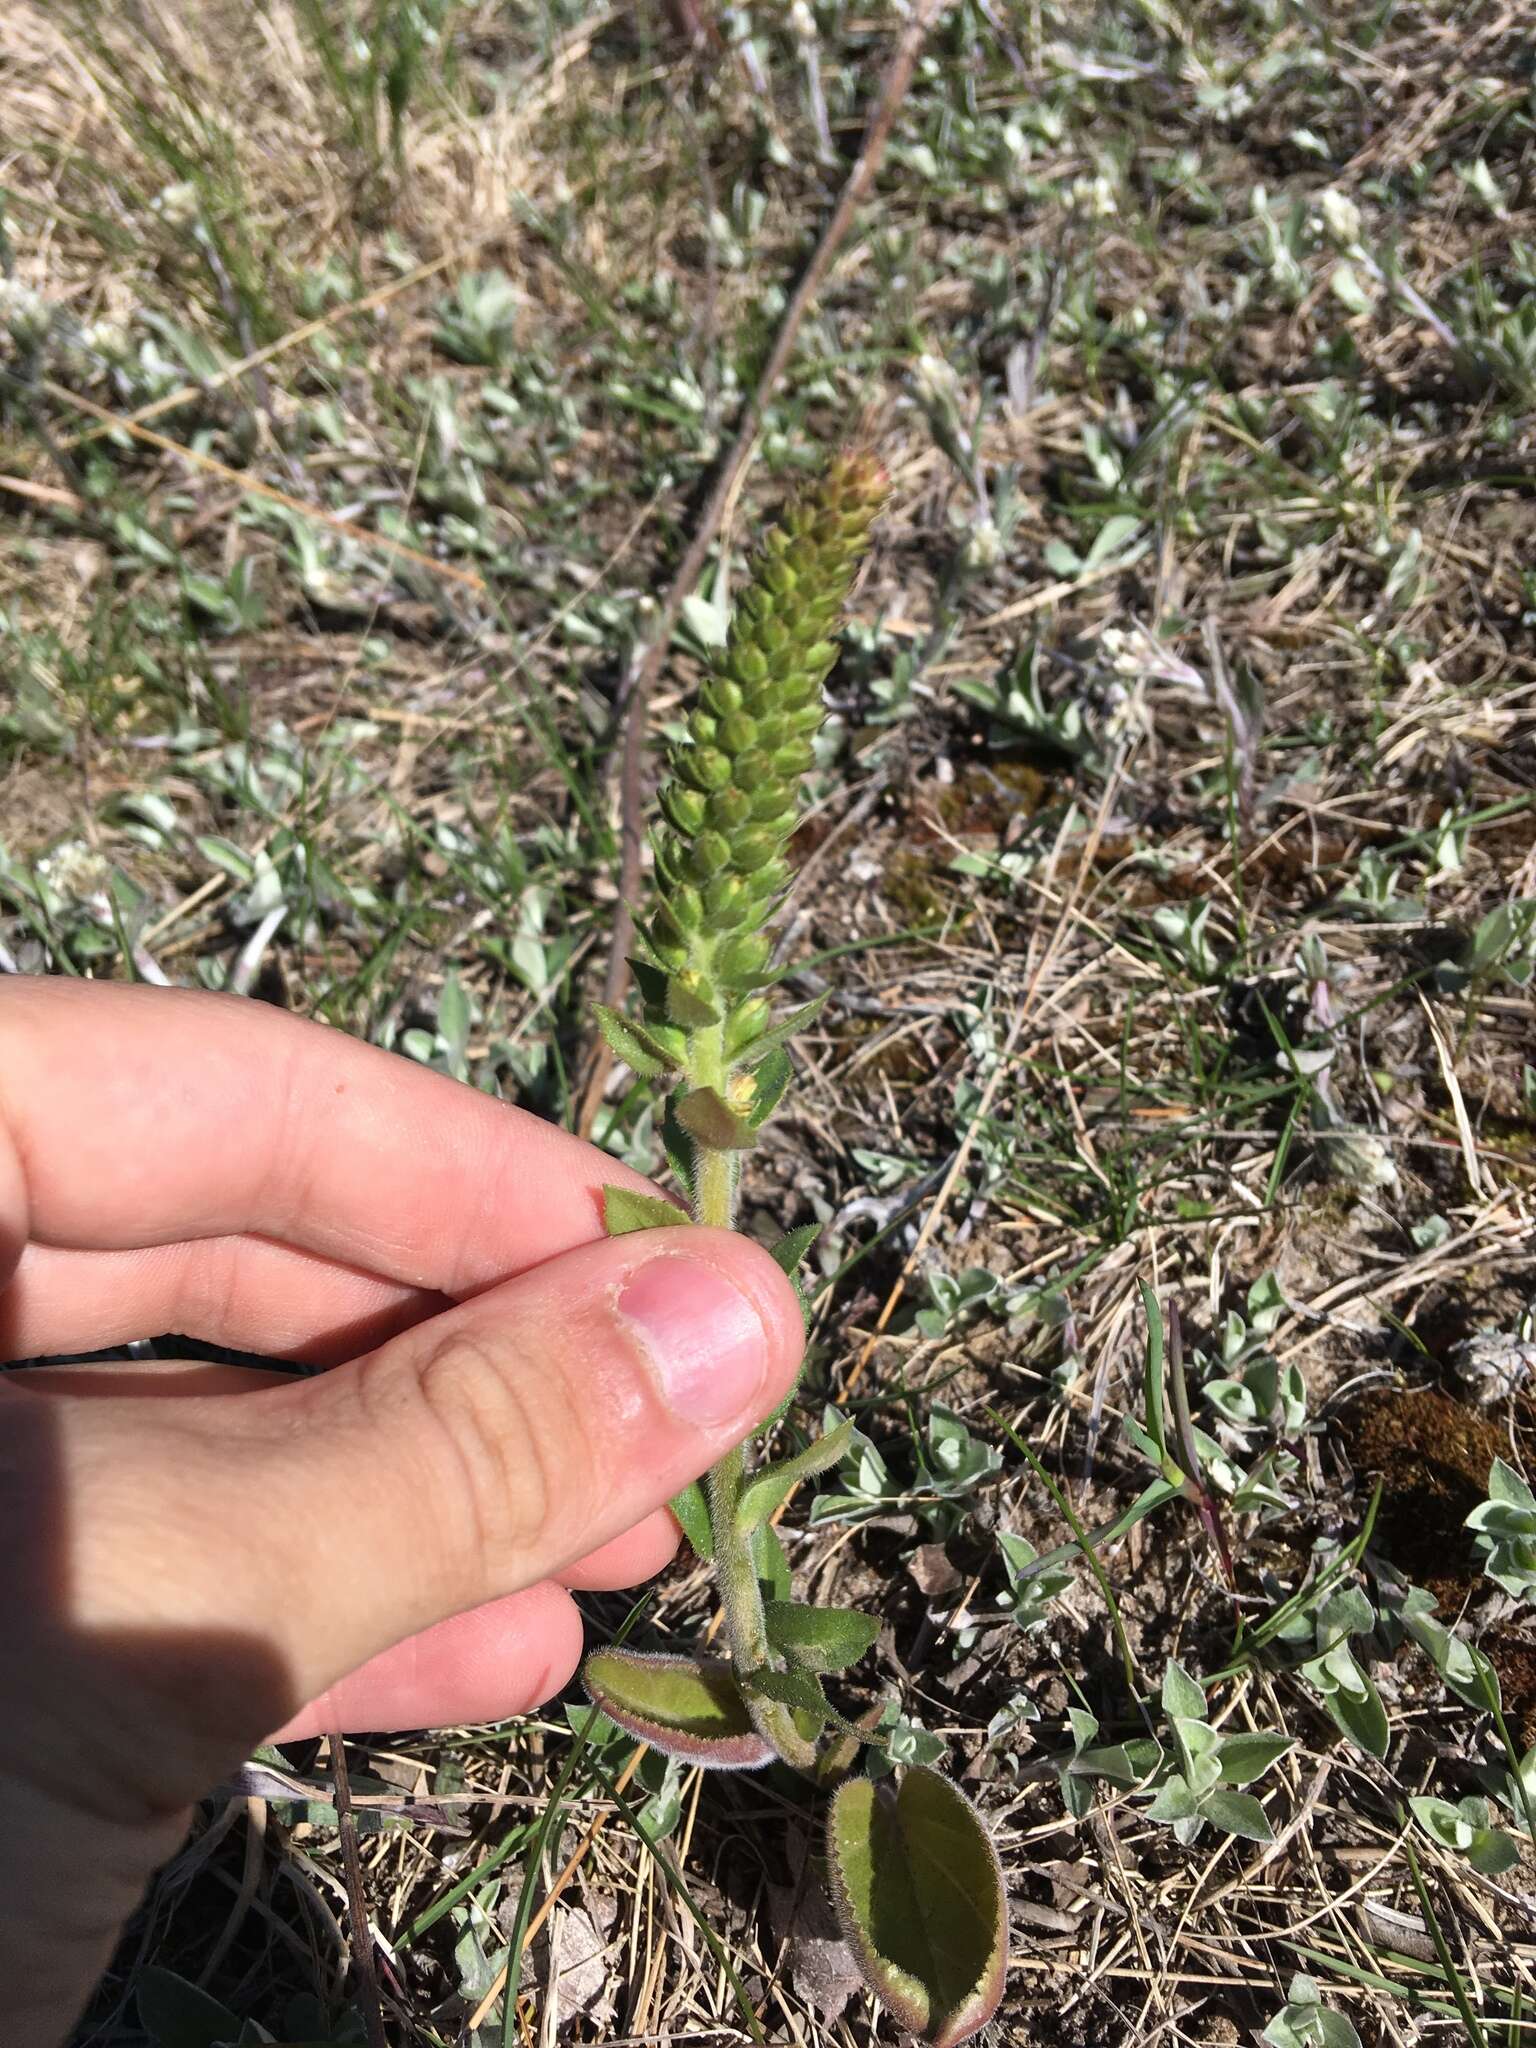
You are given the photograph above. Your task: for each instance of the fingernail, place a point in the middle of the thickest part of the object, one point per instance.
(703, 1336)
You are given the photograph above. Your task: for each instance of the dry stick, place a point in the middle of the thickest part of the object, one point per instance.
(357, 1903)
(893, 89)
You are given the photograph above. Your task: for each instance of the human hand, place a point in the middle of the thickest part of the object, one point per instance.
(194, 1557)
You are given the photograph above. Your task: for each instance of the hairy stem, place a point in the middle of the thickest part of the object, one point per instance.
(735, 1570)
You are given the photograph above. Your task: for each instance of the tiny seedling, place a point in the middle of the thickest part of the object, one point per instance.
(913, 1873)
(1196, 1779)
(1305, 2022)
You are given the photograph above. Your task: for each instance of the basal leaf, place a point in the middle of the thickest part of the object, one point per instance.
(1246, 1757)
(691, 1508)
(680, 1706)
(1237, 1813)
(820, 1638)
(626, 1209)
(920, 1900)
(763, 1492)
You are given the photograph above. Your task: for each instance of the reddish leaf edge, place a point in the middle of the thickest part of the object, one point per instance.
(743, 1751)
(966, 2019)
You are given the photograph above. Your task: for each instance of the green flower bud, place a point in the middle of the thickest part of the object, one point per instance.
(685, 808)
(748, 665)
(723, 696)
(755, 771)
(703, 728)
(686, 906)
(744, 1023)
(751, 849)
(725, 898)
(710, 852)
(738, 733)
(743, 959)
(706, 768)
(794, 760)
(728, 809)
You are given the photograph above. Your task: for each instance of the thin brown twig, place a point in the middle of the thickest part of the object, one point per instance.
(364, 1968)
(898, 75)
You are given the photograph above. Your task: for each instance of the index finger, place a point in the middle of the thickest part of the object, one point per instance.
(143, 1116)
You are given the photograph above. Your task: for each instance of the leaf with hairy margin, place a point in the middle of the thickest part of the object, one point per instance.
(919, 1896)
(680, 1705)
(627, 1209)
(819, 1638)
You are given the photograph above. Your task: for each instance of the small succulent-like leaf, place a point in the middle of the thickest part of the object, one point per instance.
(691, 1508)
(680, 1706)
(626, 1209)
(920, 1900)
(763, 1492)
(633, 1045)
(793, 1246)
(820, 1638)
(710, 1118)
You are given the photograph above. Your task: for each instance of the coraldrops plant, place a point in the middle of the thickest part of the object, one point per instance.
(912, 1871)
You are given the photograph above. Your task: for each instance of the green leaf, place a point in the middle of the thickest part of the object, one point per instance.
(691, 1508)
(920, 1900)
(770, 1563)
(1174, 1802)
(176, 2014)
(633, 1045)
(763, 1492)
(1182, 1694)
(1359, 1714)
(680, 1706)
(626, 1209)
(771, 1079)
(798, 1689)
(1237, 1813)
(679, 1147)
(713, 1122)
(778, 1034)
(792, 1248)
(819, 1638)
(1246, 1757)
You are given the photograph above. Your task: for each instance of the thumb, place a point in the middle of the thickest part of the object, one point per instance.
(471, 1456)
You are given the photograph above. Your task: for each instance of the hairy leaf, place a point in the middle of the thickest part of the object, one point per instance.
(920, 1900)
(793, 1246)
(634, 1046)
(626, 1209)
(691, 1508)
(680, 1706)
(711, 1119)
(820, 1638)
(763, 1492)
(1237, 1813)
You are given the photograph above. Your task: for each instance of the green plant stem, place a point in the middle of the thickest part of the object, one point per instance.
(741, 1596)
